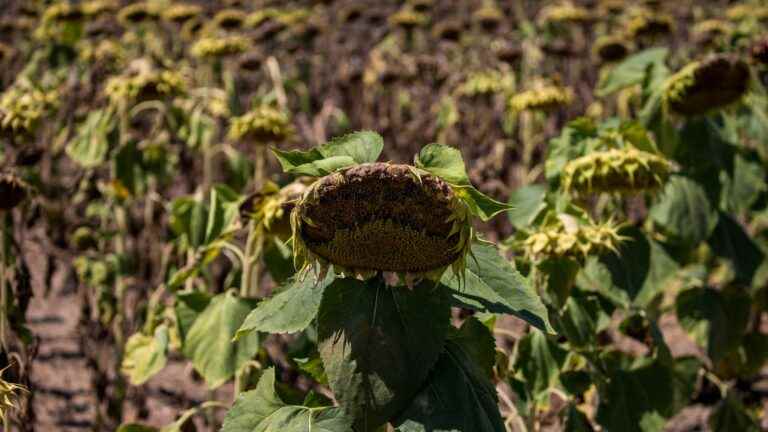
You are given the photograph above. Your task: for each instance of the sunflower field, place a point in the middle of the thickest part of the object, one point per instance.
(383, 215)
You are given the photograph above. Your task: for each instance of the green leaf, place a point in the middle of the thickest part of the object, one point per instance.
(731, 416)
(581, 319)
(683, 212)
(743, 186)
(341, 152)
(570, 144)
(730, 241)
(526, 203)
(631, 71)
(636, 275)
(188, 306)
(491, 284)
(457, 397)
(479, 343)
(445, 162)
(644, 397)
(262, 410)
(209, 340)
(539, 361)
(145, 355)
(223, 209)
(576, 421)
(378, 344)
(716, 320)
(91, 145)
(289, 311)
(480, 204)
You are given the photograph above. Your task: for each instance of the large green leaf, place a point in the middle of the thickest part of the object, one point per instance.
(378, 344)
(631, 71)
(457, 397)
(683, 212)
(743, 186)
(341, 152)
(289, 311)
(443, 161)
(491, 284)
(636, 275)
(188, 306)
(262, 410)
(145, 355)
(730, 241)
(582, 318)
(526, 203)
(208, 342)
(539, 361)
(477, 340)
(644, 397)
(90, 146)
(731, 416)
(716, 320)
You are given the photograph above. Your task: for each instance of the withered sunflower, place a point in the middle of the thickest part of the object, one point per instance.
(706, 86)
(13, 191)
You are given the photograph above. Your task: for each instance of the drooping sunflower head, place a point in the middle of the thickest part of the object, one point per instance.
(622, 170)
(13, 191)
(489, 16)
(142, 82)
(448, 30)
(93, 8)
(564, 14)
(611, 48)
(263, 124)
(179, 13)
(709, 31)
(229, 20)
(759, 50)
(565, 236)
(210, 47)
(706, 86)
(408, 19)
(646, 24)
(541, 98)
(270, 208)
(137, 13)
(23, 106)
(6, 52)
(377, 217)
(487, 82)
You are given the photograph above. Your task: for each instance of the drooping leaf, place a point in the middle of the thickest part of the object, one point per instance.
(90, 146)
(716, 320)
(223, 208)
(477, 340)
(458, 395)
(631, 71)
(445, 162)
(491, 284)
(262, 410)
(683, 212)
(145, 355)
(289, 311)
(378, 344)
(208, 343)
(480, 204)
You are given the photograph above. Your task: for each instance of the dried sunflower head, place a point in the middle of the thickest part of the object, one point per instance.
(611, 48)
(9, 392)
(22, 107)
(743, 12)
(448, 30)
(487, 82)
(648, 24)
(263, 124)
(565, 236)
(489, 16)
(759, 50)
(62, 13)
(707, 31)
(408, 19)
(217, 47)
(623, 170)
(564, 14)
(137, 13)
(13, 191)
(541, 98)
(6, 52)
(179, 13)
(144, 83)
(229, 20)
(94, 8)
(377, 217)
(706, 86)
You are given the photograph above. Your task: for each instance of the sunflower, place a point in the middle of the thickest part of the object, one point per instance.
(13, 191)
(706, 86)
(541, 98)
(566, 236)
(263, 124)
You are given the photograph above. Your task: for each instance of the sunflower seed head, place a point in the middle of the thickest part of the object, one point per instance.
(706, 86)
(625, 170)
